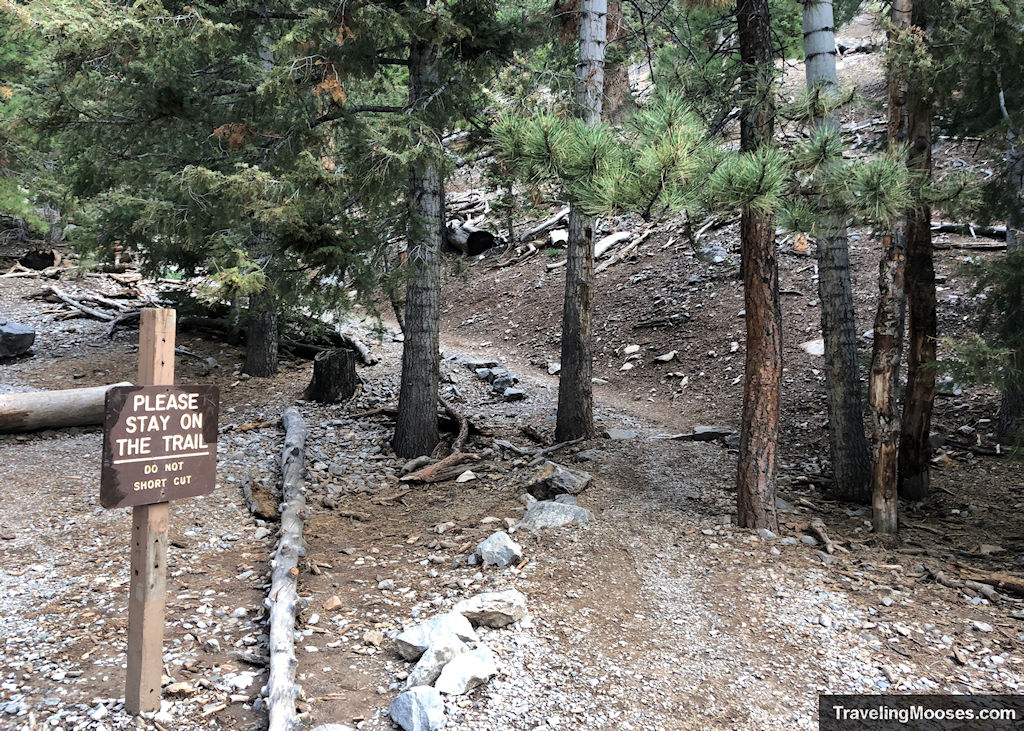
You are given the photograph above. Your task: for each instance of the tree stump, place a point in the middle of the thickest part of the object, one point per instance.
(334, 376)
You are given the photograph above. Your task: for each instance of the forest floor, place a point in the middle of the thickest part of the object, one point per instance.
(658, 614)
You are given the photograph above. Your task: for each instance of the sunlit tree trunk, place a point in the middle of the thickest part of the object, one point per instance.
(759, 431)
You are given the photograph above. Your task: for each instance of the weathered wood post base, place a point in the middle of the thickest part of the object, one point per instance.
(146, 607)
(148, 578)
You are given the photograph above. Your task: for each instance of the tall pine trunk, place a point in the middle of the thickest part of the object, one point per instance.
(575, 387)
(915, 449)
(262, 337)
(416, 431)
(847, 441)
(759, 431)
(889, 320)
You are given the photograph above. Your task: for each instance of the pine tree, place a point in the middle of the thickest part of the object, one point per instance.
(759, 428)
(847, 440)
(575, 416)
(915, 447)
(889, 318)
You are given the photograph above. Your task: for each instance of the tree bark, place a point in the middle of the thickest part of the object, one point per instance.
(756, 479)
(889, 321)
(885, 367)
(847, 440)
(575, 416)
(262, 339)
(915, 449)
(416, 430)
(334, 376)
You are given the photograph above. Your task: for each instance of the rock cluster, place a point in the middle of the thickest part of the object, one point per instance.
(445, 661)
(502, 380)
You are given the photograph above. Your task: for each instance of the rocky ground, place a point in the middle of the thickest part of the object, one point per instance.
(659, 613)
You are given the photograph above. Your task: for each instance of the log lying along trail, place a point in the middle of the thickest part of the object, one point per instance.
(53, 409)
(283, 601)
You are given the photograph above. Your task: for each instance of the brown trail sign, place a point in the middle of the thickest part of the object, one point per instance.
(159, 444)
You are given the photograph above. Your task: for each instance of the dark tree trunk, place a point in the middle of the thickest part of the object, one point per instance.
(575, 386)
(889, 321)
(885, 368)
(759, 430)
(261, 342)
(575, 380)
(416, 424)
(848, 443)
(915, 450)
(334, 376)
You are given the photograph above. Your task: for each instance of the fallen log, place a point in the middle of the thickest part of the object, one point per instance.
(469, 239)
(544, 226)
(968, 229)
(365, 357)
(1008, 583)
(53, 409)
(605, 245)
(541, 454)
(283, 600)
(71, 301)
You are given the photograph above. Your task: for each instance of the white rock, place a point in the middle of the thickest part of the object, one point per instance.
(494, 608)
(630, 349)
(418, 709)
(414, 641)
(499, 550)
(814, 347)
(434, 659)
(666, 357)
(467, 476)
(550, 514)
(467, 671)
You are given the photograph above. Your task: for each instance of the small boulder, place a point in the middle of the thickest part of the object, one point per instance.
(494, 608)
(467, 671)
(553, 479)
(15, 339)
(550, 514)
(418, 709)
(703, 433)
(513, 394)
(499, 550)
(414, 641)
(434, 659)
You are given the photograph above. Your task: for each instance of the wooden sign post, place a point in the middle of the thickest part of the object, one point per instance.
(148, 580)
(159, 444)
